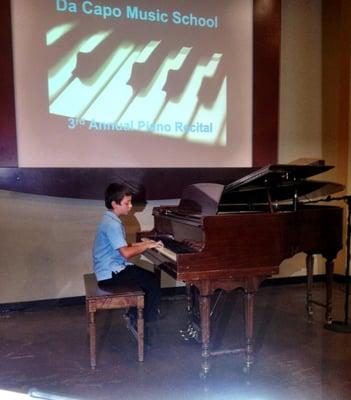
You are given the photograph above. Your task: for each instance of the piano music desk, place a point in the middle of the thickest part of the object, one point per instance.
(113, 298)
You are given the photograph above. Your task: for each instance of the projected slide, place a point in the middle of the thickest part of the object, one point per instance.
(133, 83)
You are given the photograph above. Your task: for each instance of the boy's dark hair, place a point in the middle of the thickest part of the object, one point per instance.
(116, 192)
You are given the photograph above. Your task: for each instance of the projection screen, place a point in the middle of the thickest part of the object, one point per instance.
(145, 83)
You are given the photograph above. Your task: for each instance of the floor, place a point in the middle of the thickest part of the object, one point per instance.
(47, 350)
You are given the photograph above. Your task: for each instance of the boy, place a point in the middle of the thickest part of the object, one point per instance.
(111, 252)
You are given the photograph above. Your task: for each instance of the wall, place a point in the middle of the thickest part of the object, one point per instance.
(300, 122)
(46, 244)
(336, 40)
(315, 93)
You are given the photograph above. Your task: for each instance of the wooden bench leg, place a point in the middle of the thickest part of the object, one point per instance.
(92, 339)
(87, 316)
(140, 334)
(96, 299)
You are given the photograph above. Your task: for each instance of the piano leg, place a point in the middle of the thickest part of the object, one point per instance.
(329, 270)
(205, 302)
(309, 301)
(192, 330)
(249, 314)
(157, 273)
(189, 306)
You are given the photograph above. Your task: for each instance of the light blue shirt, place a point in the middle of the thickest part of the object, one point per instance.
(110, 236)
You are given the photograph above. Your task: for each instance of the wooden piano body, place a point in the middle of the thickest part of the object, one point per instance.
(238, 235)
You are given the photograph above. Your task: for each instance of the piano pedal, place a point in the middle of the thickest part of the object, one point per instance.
(191, 333)
(185, 331)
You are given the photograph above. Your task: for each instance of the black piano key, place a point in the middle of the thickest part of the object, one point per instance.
(62, 47)
(143, 73)
(89, 64)
(178, 79)
(211, 86)
(174, 245)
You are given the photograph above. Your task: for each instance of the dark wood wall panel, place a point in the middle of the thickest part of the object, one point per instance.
(90, 183)
(267, 28)
(8, 143)
(158, 183)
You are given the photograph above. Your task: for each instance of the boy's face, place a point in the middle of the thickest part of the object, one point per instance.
(124, 207)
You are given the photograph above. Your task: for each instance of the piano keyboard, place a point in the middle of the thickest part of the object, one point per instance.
(171, 247)
(108, 79)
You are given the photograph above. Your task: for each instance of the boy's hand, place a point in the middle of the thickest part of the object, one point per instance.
(152, 244)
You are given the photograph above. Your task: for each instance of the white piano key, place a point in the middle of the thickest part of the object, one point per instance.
(57, 32)
(215, 116)
(60, 75)
(77, 96)
(102, 109)
(183, 108)
(163, 250)
(146, 104)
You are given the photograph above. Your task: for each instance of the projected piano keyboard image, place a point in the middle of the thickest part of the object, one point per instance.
(138, 85)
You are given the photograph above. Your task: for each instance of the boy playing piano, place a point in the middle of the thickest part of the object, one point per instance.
(111, 252)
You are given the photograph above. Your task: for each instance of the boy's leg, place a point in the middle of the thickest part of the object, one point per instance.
(149, 283)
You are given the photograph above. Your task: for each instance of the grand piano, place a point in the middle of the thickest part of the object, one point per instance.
(236, 235)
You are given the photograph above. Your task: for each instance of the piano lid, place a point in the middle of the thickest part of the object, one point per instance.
(273, 183)
(278, 183)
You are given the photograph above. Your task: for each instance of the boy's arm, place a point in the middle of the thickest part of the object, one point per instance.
(137, 248)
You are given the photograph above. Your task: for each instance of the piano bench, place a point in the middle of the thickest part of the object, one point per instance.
(113, 298)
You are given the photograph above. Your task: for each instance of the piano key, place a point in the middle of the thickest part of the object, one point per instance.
(90, 63)
(58, 32)
(143, 72)
(167, 253)
(147, 103)
(84, 93)
(171, 247)
(162, 250)
(98, 110)
(215, 115)
(211, 86)
(94, 99)
(60, 76)
(65, 38)
(212, 107)
(186, 104)
(174, 245)
(178, 79)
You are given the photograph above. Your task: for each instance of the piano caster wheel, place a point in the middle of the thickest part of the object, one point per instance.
(247, 367)
(309, 315)
(205, 370)
(202, 375)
